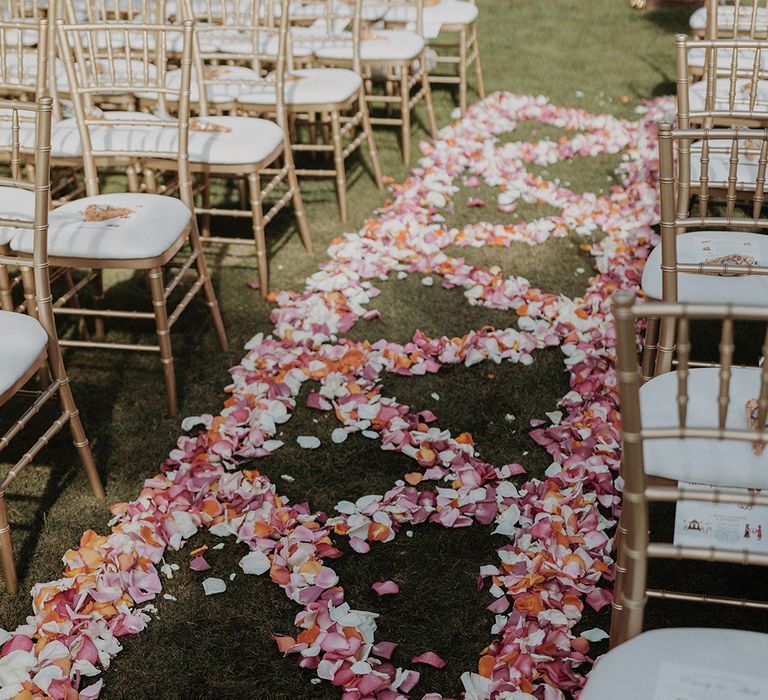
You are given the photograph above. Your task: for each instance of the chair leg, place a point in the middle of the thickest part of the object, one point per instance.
(339, 165)
(405, 116)
(133, 178)
(374, 154)
(298, 202)
(428, 97)
(463, 71)
(205, 219)
(210, 293)
(254, 190)
(6, 551)
(99, 332)
(155, 277)
(67, 400)
(480, 85)
(650, 345)
(82, 324)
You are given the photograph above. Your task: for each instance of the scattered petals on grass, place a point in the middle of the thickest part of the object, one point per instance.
(558, 554)
(429, 658)
(386, 587)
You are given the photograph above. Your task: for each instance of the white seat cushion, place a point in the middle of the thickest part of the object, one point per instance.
(311, 86)
(706, 461)
(631, 670)
(698, 92)
(151, 226)
(23, 340)
(725, 15)
(15, 203)
(245, 140)
(248, 141)
(746, 58)
(700, 246)
(389, 45)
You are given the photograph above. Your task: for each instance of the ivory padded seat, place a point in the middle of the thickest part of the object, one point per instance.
(630, 671)
(310, 86)
(698, 91)
(217, 93)
(389, 45)
(15, 203)
(698, 246)
(153, 227)
(24, 341)
(707, 461)
(246, 141)
(450, 13)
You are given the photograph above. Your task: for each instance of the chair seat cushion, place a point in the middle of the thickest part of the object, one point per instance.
(698, 91)
(630, 671)
(388, 45)
(150, 225)
(706, 461)
(700, 246)
(311, 86)
(445, 12)
(246, 141)
(24, 339)
(15, 203)
(241, 140)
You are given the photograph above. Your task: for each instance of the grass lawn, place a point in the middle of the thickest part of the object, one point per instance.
(598, 55)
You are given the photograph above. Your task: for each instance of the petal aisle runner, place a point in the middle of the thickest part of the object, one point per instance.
(557, 558)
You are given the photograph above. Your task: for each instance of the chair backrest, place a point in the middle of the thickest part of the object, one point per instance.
(92, 11)
(23, 58)
(14, 116)
(133, 61)
(747, 19)
(238, 49)
(734, 80)
(638, 491)
(328, 23)
(713, 164)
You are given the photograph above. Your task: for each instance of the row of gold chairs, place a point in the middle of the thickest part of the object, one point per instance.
(693, 421)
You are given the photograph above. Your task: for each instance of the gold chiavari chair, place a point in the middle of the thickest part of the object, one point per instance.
(395, 59)
(734, 85)
(717, 20)
(456, 22)
(693, 425)
(22, 76)
(752, 26)
(29, 343)
(335, 95)
(230, 59)
(711, 250)
(130, 230)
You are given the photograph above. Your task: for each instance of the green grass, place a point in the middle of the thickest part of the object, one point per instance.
(583, 54)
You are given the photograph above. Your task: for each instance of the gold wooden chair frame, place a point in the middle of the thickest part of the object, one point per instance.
(666, 276)
(347, 115)
(261, 43)
(50, 354)
(400, 77)
(752, 20)
(159, 139)
(640, 488)
(730, 92)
